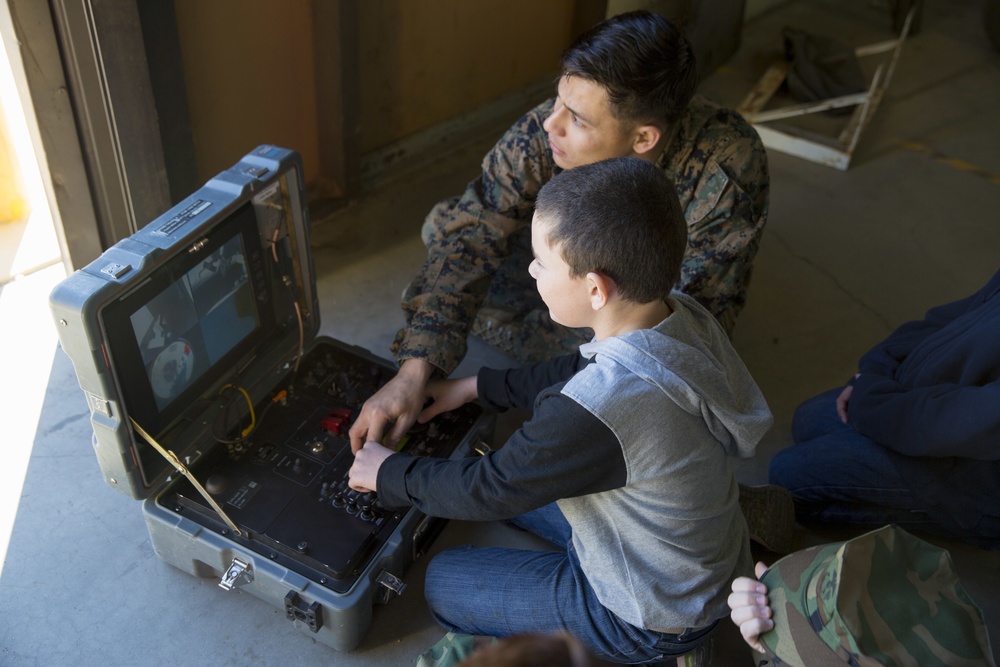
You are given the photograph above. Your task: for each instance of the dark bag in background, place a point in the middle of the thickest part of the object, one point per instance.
(821, 68)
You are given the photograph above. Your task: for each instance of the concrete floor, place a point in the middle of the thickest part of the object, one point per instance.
(846, 257)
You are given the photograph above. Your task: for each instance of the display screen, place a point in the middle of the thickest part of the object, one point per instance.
(192, 324)
(182, 329)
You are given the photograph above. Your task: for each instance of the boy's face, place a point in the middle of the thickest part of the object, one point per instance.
(581, 128)
(567, 298)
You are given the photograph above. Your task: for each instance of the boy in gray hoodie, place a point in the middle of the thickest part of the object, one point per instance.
(624, 466)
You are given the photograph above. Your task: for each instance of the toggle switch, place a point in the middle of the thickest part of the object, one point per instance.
(332, 424)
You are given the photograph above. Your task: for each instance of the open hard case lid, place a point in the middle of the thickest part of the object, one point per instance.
(218, 292)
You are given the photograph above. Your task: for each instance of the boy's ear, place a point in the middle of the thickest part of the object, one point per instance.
(646, 139)
(601, 289)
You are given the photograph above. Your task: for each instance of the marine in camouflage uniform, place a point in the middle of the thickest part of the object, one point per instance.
(479, 244)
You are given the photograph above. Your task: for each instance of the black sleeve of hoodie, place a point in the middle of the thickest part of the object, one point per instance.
(561, 452)
(519, 387)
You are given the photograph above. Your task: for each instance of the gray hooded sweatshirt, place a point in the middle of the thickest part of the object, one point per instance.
(681, 402)
(632, 438)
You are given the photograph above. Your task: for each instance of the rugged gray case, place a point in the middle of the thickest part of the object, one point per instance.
(269, 178)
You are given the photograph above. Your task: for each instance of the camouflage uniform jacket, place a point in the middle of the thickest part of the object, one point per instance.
(719, 168)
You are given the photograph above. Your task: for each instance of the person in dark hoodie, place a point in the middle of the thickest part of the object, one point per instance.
(624, 465)
(914, 437)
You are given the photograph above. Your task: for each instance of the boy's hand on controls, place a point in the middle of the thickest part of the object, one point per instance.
(363, 474)
(449, 395)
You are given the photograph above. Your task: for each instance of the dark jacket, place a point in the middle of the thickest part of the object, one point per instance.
(931, 391)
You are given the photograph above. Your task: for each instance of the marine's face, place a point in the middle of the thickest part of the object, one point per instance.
(566, 297)
(581, 128)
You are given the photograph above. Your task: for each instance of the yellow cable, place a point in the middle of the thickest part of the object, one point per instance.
(253, 418)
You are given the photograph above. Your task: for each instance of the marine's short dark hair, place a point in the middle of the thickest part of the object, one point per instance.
(618, 217)
(643, 62)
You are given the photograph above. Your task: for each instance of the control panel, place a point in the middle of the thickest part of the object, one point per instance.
(285, 484)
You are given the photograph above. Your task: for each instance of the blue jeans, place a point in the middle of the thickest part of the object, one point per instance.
(502, 592)
(838, 475)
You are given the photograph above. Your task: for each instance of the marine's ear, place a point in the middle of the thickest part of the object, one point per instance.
(645, 139)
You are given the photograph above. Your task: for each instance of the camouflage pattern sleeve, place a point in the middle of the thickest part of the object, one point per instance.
(719, 167)
(467, 240)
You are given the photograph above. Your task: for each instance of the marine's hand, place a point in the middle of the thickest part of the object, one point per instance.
(750, 610)
(398, 403)
(449, 395)
(363, 474)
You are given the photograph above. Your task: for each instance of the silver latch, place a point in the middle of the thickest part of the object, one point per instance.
(238, 574)
(391, 581)
(116, 270)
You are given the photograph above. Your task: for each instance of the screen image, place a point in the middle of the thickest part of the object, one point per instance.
(188, 322)
(193, 323)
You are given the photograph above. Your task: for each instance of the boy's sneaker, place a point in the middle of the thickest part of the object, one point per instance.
(770, 514)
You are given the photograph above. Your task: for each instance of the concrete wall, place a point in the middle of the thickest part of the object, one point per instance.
(250, 70)
(423, 62)
(251, 76)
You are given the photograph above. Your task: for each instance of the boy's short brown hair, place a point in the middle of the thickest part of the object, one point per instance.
(618, 217)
